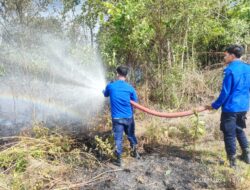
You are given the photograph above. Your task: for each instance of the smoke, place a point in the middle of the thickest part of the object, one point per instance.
(47, 78)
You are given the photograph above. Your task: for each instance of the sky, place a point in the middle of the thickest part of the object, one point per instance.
(56, 8)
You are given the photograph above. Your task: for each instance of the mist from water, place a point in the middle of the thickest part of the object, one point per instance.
(49, 79)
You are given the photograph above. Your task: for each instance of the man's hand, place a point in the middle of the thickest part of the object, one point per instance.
(209, 107)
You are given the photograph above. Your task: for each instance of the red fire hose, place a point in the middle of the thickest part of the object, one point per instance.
(167, 115)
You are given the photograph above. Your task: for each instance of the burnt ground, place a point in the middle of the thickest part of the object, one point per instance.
(161, 167)
(169, 167)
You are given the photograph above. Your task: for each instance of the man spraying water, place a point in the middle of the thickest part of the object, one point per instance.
(121, 93)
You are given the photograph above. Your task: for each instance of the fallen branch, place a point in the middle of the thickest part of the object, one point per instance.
(90, 181)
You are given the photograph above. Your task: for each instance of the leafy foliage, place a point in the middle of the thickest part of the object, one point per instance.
(156, 36)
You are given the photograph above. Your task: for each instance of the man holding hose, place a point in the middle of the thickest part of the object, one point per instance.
(120, 93)
(234, 100)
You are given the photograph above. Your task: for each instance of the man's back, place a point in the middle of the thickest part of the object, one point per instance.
(121, 93)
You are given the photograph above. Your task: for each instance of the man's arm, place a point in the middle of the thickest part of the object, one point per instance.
(133, 95)
(225, 90)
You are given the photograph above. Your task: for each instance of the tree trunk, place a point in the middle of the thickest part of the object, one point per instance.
(193, 55)
(169, 54)
(91, 37)
(185, 45)
(183, 51)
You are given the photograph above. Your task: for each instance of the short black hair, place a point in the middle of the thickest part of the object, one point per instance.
(237, 50)
(122, 70)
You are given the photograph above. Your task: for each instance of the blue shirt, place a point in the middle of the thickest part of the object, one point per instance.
(120, 93)
(234, 95)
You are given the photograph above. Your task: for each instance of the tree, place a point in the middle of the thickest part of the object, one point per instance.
(159, 35)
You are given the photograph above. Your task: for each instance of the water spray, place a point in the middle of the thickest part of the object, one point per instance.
(51, 81)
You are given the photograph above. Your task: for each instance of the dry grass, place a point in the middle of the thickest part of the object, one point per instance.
(41, 160)
(181, 89)
(209, 149)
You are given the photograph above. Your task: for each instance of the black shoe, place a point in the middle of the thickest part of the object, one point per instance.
(232, 161)
(134, 153)
(245, 156)
(118, 161)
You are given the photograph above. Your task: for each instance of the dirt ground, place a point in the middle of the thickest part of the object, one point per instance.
(170, 169)
(166, 167)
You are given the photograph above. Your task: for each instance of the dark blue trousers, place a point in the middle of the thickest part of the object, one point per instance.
(232, 125)
(128, 126)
